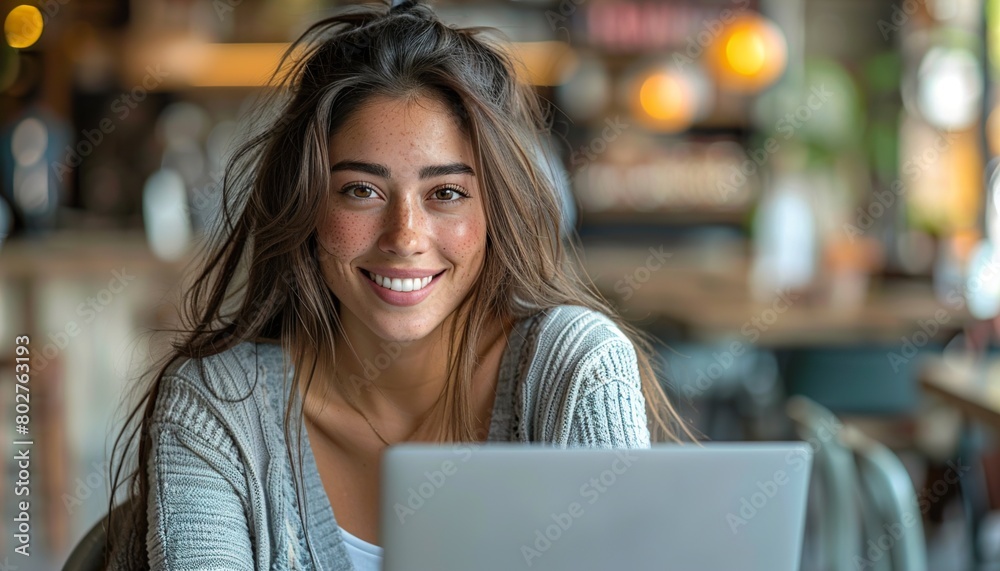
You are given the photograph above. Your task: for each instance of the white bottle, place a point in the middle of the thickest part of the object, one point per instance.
(785, 242)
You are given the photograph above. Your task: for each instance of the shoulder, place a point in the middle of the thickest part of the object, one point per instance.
(228, 370)
(211, 436)
(230, 385)
(571, 337)
(582, 383)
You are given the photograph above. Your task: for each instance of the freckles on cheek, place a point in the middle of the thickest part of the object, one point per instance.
(465, 241)
(346, 235)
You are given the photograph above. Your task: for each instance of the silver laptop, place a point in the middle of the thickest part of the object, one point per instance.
(500, 507)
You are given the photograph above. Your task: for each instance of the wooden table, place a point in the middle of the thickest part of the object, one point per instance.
(971, 387)
(706, 292)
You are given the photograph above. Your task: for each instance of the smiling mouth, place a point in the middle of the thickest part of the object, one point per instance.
(401, 284)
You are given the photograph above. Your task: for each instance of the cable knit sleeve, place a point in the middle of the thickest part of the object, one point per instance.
(197, 504)
(610, 412)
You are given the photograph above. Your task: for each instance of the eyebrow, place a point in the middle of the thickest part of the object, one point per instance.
(383, 171)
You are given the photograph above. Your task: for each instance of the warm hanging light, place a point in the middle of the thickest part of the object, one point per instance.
(667, 101)
(745, 52)
(750, 54)
(23, 26)
(665, 97)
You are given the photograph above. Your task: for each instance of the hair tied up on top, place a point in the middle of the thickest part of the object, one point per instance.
(403, 5)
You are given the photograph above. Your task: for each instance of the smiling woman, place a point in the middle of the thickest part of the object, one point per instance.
(389, 270)
(400, 213)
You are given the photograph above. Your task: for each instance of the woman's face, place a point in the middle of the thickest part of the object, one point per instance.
(404, 237)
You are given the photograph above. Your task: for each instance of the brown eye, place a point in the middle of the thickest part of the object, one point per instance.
(358, 191)
(449, 194)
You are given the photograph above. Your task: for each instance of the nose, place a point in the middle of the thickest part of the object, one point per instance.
(405, 231)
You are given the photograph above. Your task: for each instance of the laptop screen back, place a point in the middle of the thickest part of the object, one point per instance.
(505, 507)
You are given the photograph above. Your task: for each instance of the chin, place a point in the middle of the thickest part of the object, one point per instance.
(400, 329)
(395, 324)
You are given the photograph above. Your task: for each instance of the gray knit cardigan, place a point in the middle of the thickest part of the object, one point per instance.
(222, 485)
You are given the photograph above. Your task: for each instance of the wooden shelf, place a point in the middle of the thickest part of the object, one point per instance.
(663, 217)
(74, 252)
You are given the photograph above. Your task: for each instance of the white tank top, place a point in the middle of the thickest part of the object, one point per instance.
(364, 556)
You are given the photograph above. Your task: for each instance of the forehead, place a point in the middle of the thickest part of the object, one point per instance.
(393, 126)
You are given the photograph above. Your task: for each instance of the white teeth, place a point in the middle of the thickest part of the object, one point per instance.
(398, 284)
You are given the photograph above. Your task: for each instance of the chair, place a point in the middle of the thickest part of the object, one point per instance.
(835, 485)
(728, 397)
(889, 493)
(88, 555)
(857, 380)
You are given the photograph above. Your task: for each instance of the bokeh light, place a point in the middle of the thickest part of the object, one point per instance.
(982, 287)
(750, 54)
(23, 26)
(587, 92)
(29, 141)
(665, 97)
(745, 52)
(950, 88)
(164, 211)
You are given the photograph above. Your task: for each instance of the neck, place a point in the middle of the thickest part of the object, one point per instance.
(398, 386)
(404, 377)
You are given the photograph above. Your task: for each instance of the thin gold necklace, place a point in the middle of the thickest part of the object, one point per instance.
(372, 426)
(369, 422)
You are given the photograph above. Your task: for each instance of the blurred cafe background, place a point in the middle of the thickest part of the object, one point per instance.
(799, 198)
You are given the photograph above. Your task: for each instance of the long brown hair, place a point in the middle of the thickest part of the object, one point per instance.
(260, 277)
